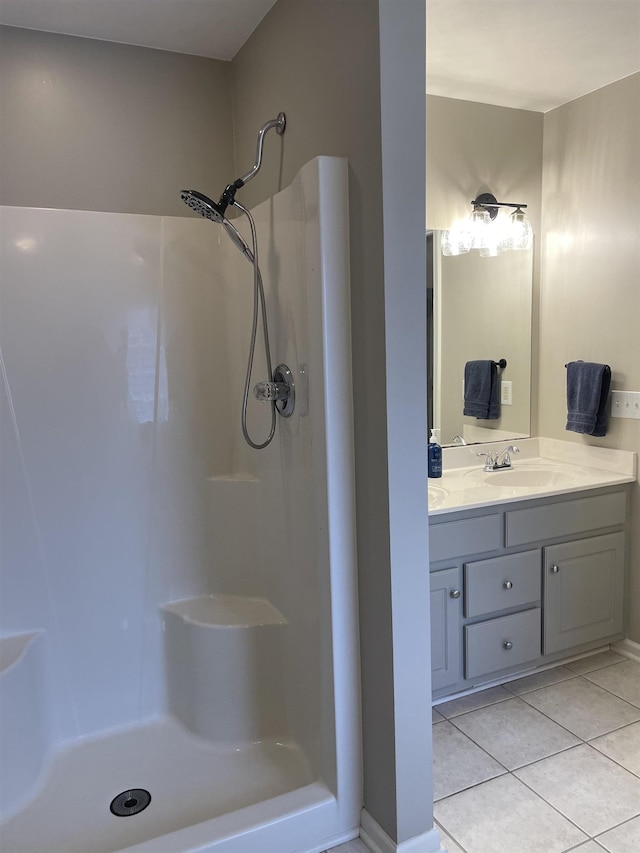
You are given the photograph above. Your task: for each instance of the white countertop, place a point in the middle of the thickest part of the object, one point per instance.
(544, 467)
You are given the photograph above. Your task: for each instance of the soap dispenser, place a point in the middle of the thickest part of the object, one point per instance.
(434, 455)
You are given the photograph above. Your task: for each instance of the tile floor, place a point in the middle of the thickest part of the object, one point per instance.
(546, 764)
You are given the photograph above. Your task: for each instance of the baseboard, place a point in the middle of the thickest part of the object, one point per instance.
(377, 840)
(628, 648)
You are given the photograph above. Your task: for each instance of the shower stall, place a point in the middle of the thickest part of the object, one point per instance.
(178, 628)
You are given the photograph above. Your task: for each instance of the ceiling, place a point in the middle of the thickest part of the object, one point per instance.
(213, 28)
(530, 54)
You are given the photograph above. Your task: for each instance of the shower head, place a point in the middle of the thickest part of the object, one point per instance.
(204, 206)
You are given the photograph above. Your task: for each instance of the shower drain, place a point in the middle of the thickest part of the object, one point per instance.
(130, 802)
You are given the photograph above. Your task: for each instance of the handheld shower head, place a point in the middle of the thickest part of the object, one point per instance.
(204, 206)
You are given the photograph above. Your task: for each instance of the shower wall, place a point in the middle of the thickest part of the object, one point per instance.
(114, 340)
(126, 483)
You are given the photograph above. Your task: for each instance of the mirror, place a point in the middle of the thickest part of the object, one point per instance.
(478, 308)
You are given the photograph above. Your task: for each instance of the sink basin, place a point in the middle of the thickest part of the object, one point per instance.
(436, 495)
(526, 476)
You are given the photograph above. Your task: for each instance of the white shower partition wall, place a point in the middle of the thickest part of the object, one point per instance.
(178, 612)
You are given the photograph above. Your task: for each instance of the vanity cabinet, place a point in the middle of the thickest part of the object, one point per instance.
(521, 584)
(583, 591)
(446, 610)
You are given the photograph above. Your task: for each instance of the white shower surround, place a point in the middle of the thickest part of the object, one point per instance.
(125, 463)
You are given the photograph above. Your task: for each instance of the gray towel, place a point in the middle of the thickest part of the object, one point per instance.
(481, 394)
(588, 386)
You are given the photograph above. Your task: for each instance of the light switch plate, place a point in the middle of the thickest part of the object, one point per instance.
(625, 404)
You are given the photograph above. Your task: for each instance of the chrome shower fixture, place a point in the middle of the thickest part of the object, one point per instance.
(204, 206)
(278, 390)
(216, 210)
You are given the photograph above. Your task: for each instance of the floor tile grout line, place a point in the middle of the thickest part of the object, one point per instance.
(533, 689)
(617, 826)
(441, 826)
(577, 847)
(613, 693)
(520, 767)
(591, 837)
(575, 734)
(597, 668)
(475, 743)
(488, 705)
(537, 796)
(615, 761)
(568, 730)
(504, 685)
(470, 787)
(556, 809)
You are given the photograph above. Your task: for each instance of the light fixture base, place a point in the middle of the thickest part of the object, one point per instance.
(488, 202)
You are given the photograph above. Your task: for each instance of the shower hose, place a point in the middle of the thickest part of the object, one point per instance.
(258, 304)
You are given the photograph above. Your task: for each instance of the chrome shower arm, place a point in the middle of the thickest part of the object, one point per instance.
(228, 196)
(279, 124)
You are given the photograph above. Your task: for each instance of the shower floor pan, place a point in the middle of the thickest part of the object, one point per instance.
(190, 781)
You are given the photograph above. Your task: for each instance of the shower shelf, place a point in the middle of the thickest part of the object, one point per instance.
(227, 611)
(25, 735)
(233, 478)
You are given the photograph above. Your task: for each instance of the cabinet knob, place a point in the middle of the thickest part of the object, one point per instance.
(555, 569)
(455, 593)
(508, 645)
(507, 585)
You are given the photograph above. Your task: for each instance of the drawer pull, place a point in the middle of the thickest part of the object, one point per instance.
(555, 569)
(507, 585)
(508, 645)
(455, 593)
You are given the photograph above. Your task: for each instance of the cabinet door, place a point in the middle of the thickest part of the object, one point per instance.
(583, 591)
(446, 630)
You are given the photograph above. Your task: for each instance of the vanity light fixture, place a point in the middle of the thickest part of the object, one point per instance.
(483, 231)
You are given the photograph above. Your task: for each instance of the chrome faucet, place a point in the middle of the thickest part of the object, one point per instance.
(506, 457)
(502, 458)
(458, 439)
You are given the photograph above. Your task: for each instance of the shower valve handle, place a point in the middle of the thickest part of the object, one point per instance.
(268, 392)
(280, 391)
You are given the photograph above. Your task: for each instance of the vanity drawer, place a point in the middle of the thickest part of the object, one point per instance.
(501, 643)
(467, 536)
(501, 583)
(566, 518)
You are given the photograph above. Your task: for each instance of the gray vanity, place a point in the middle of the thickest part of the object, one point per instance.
(526, 575)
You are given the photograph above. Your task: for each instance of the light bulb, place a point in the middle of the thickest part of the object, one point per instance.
(457, 240)
(481, 237)
(521, 231)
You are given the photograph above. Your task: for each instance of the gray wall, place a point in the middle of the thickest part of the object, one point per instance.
(590, 305)
(402, 85)
(319, 62)
(92, 125)
(302, 61)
